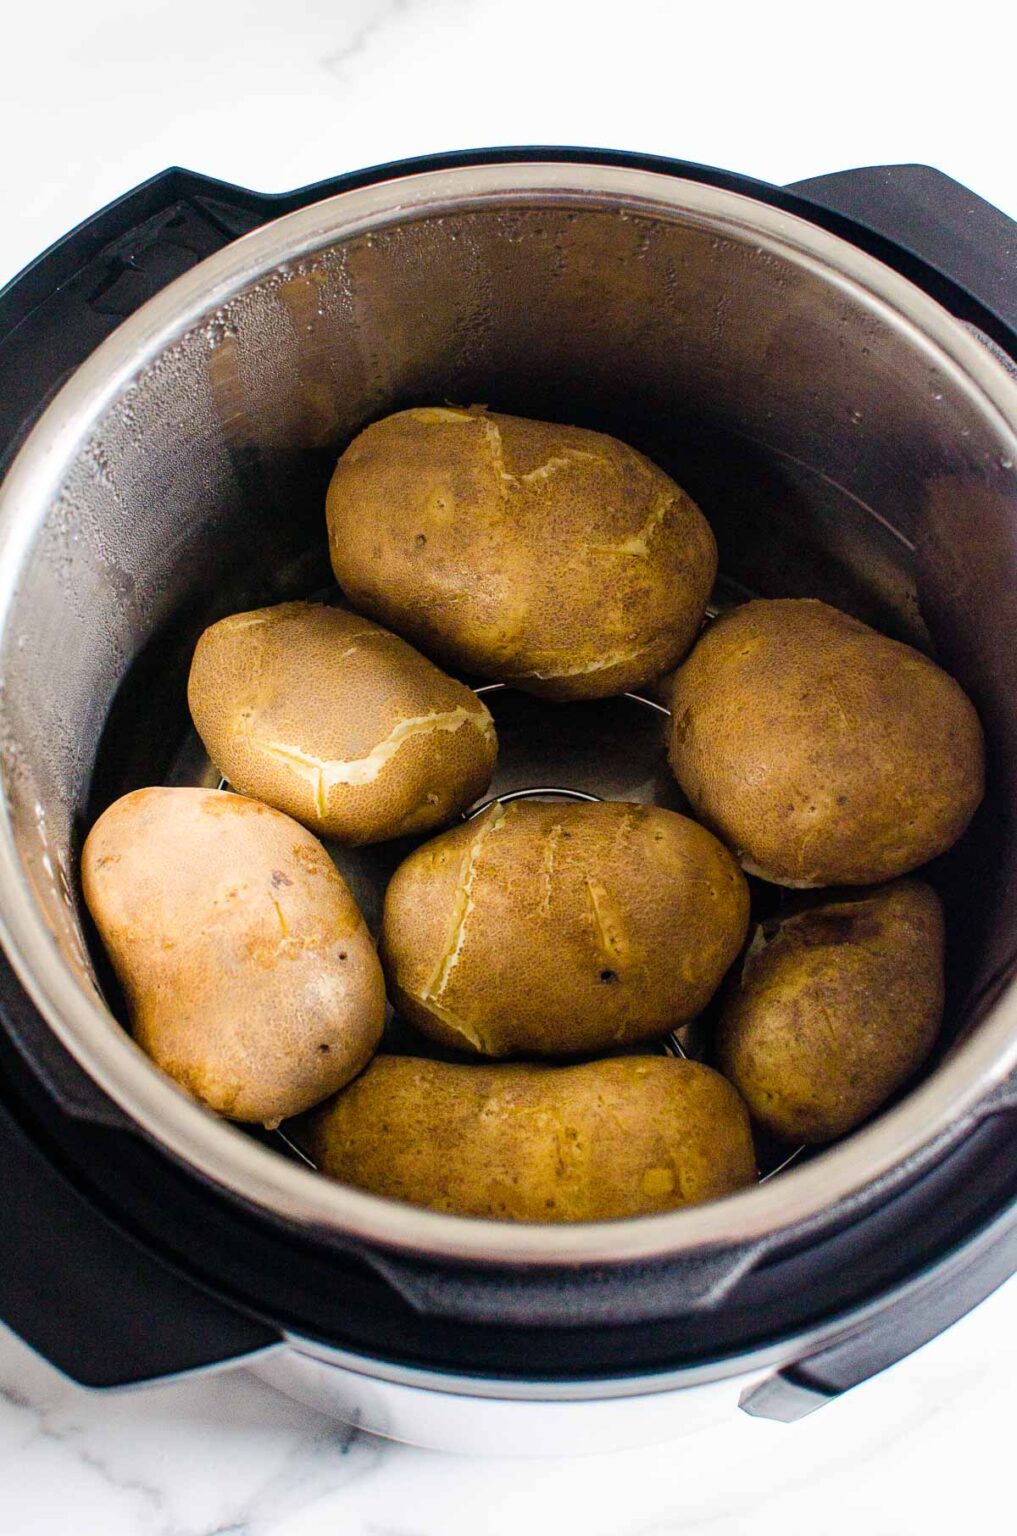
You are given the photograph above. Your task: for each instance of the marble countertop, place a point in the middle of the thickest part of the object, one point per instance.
(922, 1451)
(99, 96)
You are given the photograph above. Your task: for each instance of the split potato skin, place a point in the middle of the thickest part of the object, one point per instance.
(554, 558)
(836, 1006)
(631, 1136)
(249, 975)
(822, 752)
(337, 722)
(552, 929)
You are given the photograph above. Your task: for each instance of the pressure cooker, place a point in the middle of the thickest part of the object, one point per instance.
(830, 370)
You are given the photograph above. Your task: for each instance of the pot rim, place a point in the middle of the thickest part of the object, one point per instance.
(214, 1148)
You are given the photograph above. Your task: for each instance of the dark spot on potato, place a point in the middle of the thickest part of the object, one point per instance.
(842, 799)
(342, 954)
(609, 975)
(420, 540)
(278, 878)
(324, 1046)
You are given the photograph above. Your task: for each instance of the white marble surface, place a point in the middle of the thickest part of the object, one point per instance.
(925, 1451)
(98, 95)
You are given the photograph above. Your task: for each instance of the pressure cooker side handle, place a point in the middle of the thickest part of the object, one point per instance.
(952, 232)
(610, 1296)
(909, 1317)
(91, 1301)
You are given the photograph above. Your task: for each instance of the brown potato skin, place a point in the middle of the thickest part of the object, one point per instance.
(551, 557)
(631, 1136)
(822, 752)
(249, 975)
(297, 703)
(551, 929)
(835, 1010)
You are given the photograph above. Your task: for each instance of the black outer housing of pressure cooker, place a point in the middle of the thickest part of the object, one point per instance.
(121, 1265)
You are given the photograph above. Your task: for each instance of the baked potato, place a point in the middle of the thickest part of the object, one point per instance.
(822, 752)
(337, 722)
(525, 1142)
(246, 967)
(835, 1007)
(550, 557)
(551, 929)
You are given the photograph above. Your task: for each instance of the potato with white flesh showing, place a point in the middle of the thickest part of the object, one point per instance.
(248, 973)
(337, 722)
(610, 1139)
(543, 928)
(551, 557)
(836, 1005)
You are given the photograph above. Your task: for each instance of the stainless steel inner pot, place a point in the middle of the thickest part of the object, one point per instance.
(846, 436)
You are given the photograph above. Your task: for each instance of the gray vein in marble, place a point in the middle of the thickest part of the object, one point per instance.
(324, 1458)
(339, 63)
(44, 1429)
(319, 1465)
(312, 1473)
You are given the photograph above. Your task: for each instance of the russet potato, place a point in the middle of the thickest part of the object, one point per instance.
(337, 722)
(822, 752)
(249, 975)
(525, 1142)
(551, 557)
(561, 928)
(836, 1006)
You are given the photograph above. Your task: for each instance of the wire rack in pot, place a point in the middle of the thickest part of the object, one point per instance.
(772, 1159)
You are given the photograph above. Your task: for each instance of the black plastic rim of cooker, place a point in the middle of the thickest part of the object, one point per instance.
(121, 1265)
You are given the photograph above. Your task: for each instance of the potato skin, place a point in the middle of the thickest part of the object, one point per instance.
(248, 972)
(551, 557)
(835, 1010)
(337, 722)
(625, 1137)
(822, 752)
(548, 928)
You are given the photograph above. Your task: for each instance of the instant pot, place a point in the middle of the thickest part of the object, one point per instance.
(829, 369)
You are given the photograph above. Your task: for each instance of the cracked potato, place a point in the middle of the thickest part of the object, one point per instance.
(553, 929)
(550, 557)
(337, 722)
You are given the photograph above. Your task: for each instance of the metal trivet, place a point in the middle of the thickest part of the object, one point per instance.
(773, 1160)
